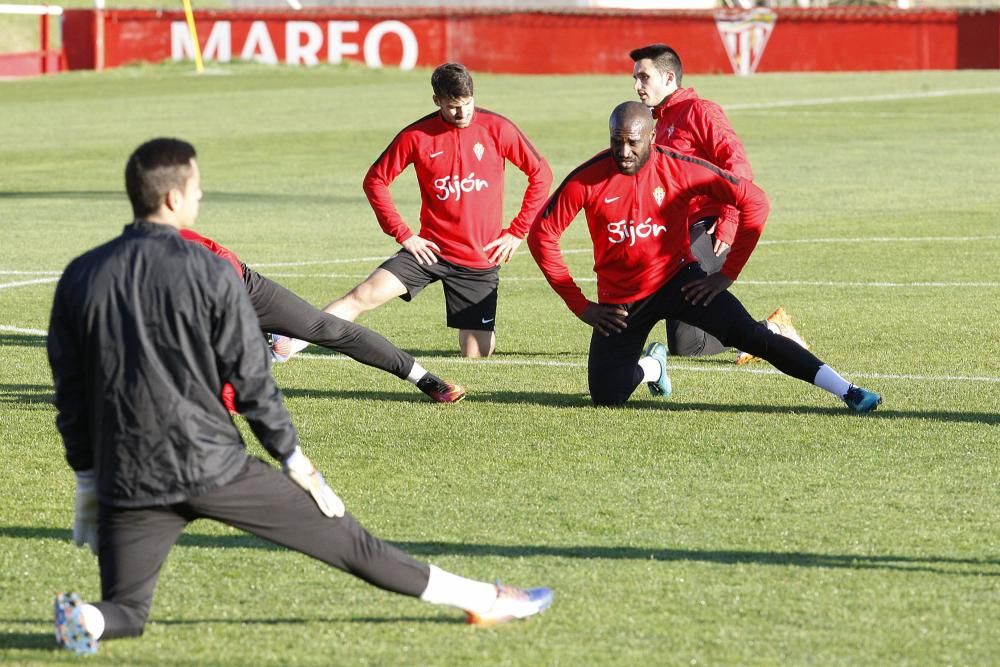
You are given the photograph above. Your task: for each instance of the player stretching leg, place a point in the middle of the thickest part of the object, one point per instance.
(636, 197)
(286, 316)
(144, 331)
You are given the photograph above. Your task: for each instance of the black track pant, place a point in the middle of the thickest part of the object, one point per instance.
(134, 542)
(687, 340)
(612, 368)
(283, 312)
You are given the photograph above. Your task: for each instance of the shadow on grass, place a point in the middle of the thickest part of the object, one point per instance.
(44, 641)
(987, 567)
(37, 641)
(27, 394)
(8, 339)
(579, 400)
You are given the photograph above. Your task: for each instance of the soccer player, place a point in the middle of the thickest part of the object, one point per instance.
(636, 198)
(284, 313)
(144, 331)
(689, 125)
(459, 154)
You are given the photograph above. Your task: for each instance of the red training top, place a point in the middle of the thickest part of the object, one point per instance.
(460, 172)
(689, 125)
(639, 223)
(220, 250)
(228, 393)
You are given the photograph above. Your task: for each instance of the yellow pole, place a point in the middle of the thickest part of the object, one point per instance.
(198, 64)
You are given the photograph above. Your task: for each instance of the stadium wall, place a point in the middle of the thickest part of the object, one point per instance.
(539, 42)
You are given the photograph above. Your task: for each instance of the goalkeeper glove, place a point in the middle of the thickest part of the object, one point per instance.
(300, 469)
(85, 520)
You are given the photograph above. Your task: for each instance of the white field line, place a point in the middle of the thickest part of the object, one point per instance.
(21, 330)
(577, 251)
(883, 239)
(679, 367)
(320, 262)
(755, 283)
(36, 281)
(579, 364)
(851, 99)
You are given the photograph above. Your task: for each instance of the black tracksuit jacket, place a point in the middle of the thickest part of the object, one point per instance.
(144, 331)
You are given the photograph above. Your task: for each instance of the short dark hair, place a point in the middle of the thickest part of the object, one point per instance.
(154, 169)
(451, 81)
(664, 58)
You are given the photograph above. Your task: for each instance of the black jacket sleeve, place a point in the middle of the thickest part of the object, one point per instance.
(67, 360)
(243, 362)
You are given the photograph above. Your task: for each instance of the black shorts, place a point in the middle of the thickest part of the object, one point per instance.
(470, 295)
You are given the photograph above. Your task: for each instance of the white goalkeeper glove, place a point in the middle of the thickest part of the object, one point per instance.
(85, 519)
(300, 470)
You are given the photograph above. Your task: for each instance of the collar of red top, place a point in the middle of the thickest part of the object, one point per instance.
(674, 98)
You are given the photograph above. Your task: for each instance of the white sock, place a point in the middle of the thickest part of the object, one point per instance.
(93, 619)
(650, 369)
(417, 373)
(829, 379)
(455, 591)
(299, 345)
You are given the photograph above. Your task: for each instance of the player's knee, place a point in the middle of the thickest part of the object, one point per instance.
(124, 620)
(608, 397)
(687, 343)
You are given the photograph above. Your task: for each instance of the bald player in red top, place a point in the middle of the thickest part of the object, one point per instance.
(690, 125)
(636, 198)
(459, 155)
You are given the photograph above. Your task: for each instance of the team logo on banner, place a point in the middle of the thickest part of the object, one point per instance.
(478, 150)
(745, 35)
(658, 195)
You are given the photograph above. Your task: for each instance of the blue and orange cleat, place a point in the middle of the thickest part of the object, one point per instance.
(512, 604)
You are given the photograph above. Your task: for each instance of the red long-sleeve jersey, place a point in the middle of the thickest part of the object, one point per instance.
(639, 223)
(217, 248)
(689, 125)
(460, 172)
(228, 393)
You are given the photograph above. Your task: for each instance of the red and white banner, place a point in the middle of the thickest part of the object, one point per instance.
(300, 42)
(548, 42)
(745, 35)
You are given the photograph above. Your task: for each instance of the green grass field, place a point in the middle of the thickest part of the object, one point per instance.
(749, 520)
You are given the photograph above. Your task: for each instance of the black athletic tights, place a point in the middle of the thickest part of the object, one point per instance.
(283, 312)
(134, 542)
(612, 369)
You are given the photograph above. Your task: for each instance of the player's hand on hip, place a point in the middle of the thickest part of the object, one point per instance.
(503, 248)
(703, 290)
(720, 247)
(300, 470)
(85, 515)
(606, 318)
(422, 249)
